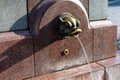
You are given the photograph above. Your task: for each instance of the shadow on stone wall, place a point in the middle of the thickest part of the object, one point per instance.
(20, 24)
(17, 56)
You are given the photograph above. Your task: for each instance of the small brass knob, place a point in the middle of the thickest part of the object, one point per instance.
(66, 52)
(67, 25)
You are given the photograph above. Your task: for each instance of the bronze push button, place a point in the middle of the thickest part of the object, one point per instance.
(66, 52)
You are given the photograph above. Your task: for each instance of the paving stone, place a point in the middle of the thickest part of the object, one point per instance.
(13, 15)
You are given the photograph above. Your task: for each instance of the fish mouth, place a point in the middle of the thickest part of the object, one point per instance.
(75, 32)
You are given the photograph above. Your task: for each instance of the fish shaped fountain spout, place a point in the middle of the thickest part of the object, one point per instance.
(67, 25)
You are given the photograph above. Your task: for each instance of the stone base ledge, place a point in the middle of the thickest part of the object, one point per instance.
(78, 73)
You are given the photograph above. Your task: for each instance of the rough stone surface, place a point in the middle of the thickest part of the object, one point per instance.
(78, 73)
(13, 15)
(104, 39)
(16, 55)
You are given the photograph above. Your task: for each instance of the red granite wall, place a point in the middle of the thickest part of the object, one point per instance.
(16, 55)
(24, 55)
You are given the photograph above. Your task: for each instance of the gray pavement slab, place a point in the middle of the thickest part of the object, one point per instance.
(13, 15)
(114, 12)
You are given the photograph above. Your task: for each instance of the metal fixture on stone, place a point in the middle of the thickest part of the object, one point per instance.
(61, 20)
(67, 25)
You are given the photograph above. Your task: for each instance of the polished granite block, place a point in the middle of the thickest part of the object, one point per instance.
(97, 10)
(77, 73)
(48, 46)
(13, 15)
(85, 4)
(33, 3)
(16, 55)
(112, 68)
(104, 39)
(37, 8)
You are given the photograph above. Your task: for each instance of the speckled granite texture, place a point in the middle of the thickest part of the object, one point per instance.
(16, 55)
(78, 73)
(104, 39)
(38, 57)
